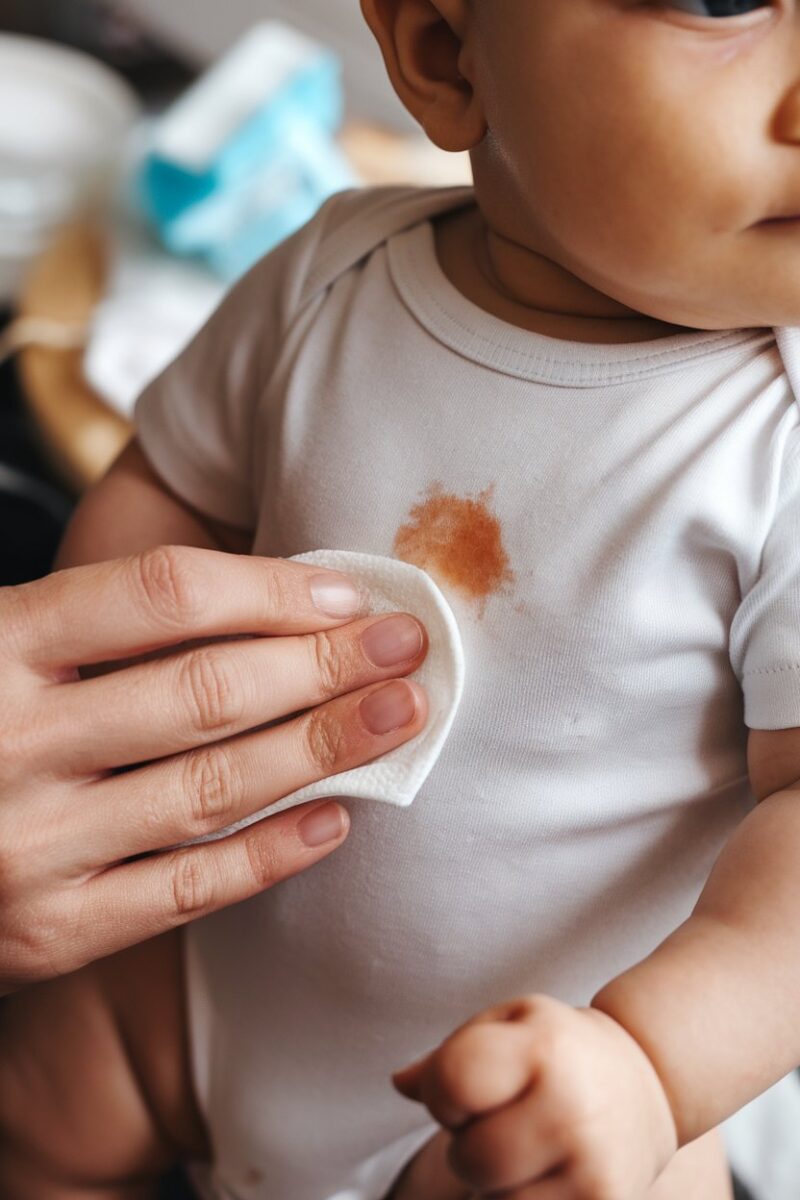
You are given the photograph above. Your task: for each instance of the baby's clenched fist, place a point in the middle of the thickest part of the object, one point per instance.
(547, 1102)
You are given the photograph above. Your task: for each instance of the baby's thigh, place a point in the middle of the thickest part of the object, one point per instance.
(94, 1076)
(697, 1172)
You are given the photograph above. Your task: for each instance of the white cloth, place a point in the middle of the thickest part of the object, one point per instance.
(394, 586)
(613, 529)
(154, 304)
(396, 777)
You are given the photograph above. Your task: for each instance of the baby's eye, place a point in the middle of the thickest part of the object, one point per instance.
(718, 8)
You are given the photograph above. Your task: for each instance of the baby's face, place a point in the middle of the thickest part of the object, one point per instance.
(651, 147)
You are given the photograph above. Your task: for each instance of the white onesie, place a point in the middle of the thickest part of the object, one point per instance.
(616, 529)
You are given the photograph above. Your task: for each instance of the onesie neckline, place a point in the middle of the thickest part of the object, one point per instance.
(484, 338)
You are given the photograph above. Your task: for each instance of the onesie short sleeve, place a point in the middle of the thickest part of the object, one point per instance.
(195, 421)
(765, 633)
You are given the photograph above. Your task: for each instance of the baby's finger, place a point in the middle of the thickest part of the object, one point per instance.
(208, 693)
(510, 1148)
(165, 596)
(480, 1068)
(200, 793)
(408, 1079)
(139, 900)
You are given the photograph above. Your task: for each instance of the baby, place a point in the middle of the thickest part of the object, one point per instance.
(570, 395)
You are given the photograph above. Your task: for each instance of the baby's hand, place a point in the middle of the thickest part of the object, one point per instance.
(547, 1102)
(429, 1175)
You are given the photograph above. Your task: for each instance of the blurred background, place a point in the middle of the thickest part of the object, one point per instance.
(149, 153)
(197, 31)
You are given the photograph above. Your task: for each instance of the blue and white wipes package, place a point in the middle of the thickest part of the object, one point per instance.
(248, 153)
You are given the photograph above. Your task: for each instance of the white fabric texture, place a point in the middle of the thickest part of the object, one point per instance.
(613, 528)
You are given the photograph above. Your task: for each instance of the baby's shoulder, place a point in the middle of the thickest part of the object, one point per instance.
(351, 225)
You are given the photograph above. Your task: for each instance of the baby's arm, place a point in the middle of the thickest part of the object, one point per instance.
(546, 1100)
(131, 510)
(717, 1006)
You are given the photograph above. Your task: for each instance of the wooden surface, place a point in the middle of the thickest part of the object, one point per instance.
(79, 432)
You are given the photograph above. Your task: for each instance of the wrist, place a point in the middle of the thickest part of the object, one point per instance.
(677, 1005)
(653, 1102)
(614, 1003)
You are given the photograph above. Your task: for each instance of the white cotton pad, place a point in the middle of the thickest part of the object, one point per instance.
(393, 586)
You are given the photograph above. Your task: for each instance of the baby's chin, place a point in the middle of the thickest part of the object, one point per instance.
(727, 314)
(744, 293)
(750, 281)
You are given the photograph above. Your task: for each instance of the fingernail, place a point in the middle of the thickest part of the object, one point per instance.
(335, 595)
(394, 640)
(389, 708)
(323, 825)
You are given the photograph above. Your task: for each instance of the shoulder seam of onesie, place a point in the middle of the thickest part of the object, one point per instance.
(354, 223)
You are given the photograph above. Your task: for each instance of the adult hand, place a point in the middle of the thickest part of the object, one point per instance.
(78, 877)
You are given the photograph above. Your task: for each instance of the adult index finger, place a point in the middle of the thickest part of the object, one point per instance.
(165, 596)
(139, 900)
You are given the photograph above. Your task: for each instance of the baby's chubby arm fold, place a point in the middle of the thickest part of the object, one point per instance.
(716, 1007)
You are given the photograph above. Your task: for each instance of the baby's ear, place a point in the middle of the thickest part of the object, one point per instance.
(424, 45)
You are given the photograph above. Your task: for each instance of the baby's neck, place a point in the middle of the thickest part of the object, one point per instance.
(529, 291)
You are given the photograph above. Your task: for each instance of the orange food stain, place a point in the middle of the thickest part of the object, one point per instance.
(457, 540)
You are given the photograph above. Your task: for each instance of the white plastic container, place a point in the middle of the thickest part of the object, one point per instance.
(64, 124)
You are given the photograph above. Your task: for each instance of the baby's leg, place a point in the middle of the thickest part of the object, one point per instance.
(95, 1090)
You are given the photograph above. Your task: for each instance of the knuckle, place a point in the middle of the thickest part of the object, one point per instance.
(264, 859)
(330, 664)
(278, 589)
(36, 947)
(27, 846)
(29, 729)
(14, 873)
(326, 742)
(147, 805)
(20, 614)
(212, 698)
(212, 787)
(11, 753)
(168, 585)
(191, 887)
